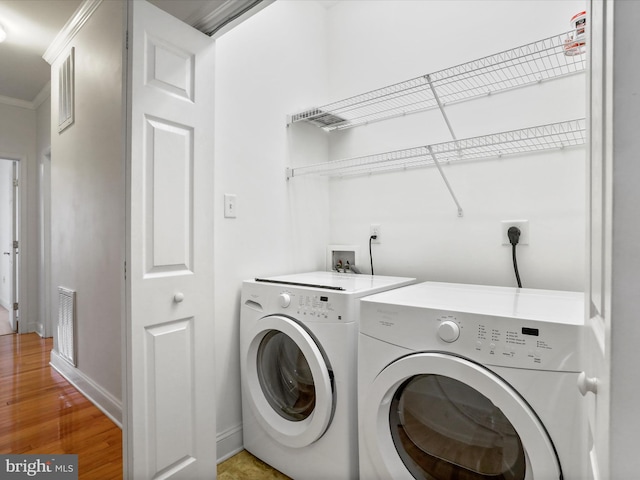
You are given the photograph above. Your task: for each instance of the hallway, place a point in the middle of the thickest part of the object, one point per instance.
(40, 412)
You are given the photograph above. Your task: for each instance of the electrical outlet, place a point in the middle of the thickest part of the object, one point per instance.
(375, 229)
(523, 225)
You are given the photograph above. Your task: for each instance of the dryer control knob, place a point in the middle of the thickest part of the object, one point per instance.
(285, 300)
(449, 331)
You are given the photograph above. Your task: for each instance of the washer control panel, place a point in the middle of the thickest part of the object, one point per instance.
(308, 305)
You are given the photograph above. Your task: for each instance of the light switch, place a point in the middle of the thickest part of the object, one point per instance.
(229, 205)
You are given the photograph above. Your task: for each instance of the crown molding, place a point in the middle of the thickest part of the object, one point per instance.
(16, 102)
(42, 95)
(33, 105)
(70, 29)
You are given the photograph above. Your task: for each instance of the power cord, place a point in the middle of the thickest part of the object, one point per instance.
(371, 238)
(514, 237)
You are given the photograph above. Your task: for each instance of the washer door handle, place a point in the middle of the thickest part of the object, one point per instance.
(587, 384)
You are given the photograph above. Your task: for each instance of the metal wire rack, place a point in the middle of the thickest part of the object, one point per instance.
(545, 59)
(526, 140)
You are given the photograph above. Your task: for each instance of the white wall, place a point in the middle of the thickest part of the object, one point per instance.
(88, 198)
(294, 55)
(373, 44)
(268, 67)
(18, 141)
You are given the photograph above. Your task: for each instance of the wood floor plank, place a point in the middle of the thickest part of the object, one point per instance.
(41, 413)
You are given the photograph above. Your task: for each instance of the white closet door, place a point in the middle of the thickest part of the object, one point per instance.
(170, 405)
(598, 343)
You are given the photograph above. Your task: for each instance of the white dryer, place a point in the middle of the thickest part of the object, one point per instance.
(471, 382)
(298, 347)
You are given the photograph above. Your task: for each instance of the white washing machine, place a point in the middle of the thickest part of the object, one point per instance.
(298, 347)
(471, 382)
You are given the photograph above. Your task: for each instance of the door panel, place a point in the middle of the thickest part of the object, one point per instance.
(170, 368)
(169, 68)
(170, 409)
(168, 211)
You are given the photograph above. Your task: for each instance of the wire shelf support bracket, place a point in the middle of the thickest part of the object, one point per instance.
(446, 182)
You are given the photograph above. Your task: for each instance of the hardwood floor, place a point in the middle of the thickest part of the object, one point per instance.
(40, 412)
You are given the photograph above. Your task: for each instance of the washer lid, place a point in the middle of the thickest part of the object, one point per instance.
(348, 283)
(520, 303)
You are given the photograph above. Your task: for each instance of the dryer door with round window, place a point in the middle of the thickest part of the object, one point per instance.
(433, 416)
(290, 382)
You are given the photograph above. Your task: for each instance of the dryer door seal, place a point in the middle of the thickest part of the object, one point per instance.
(290, 384)
(459, 383)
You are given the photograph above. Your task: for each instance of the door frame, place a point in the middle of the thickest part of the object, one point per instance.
(14, 314)
(21, 163)
(46, 321)
(612, 260)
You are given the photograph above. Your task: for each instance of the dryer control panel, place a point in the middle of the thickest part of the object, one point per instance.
(486, 339)
(525, 343)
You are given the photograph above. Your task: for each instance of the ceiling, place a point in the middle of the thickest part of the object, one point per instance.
(31, 26)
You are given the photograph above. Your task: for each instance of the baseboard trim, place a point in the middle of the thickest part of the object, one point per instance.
(40, 330)
(102, 399)
(229, 442)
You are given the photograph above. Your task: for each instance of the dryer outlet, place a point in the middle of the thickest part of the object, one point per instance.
(375, 229)
(523, 225)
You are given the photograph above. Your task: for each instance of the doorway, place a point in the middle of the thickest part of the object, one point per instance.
(9, 243)
(45, 327)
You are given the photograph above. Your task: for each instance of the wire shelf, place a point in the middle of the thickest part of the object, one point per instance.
(526, 140)
(545, 59)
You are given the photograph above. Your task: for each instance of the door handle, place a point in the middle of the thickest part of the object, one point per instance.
(7, 253)
(587, 384)
(178, 297)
